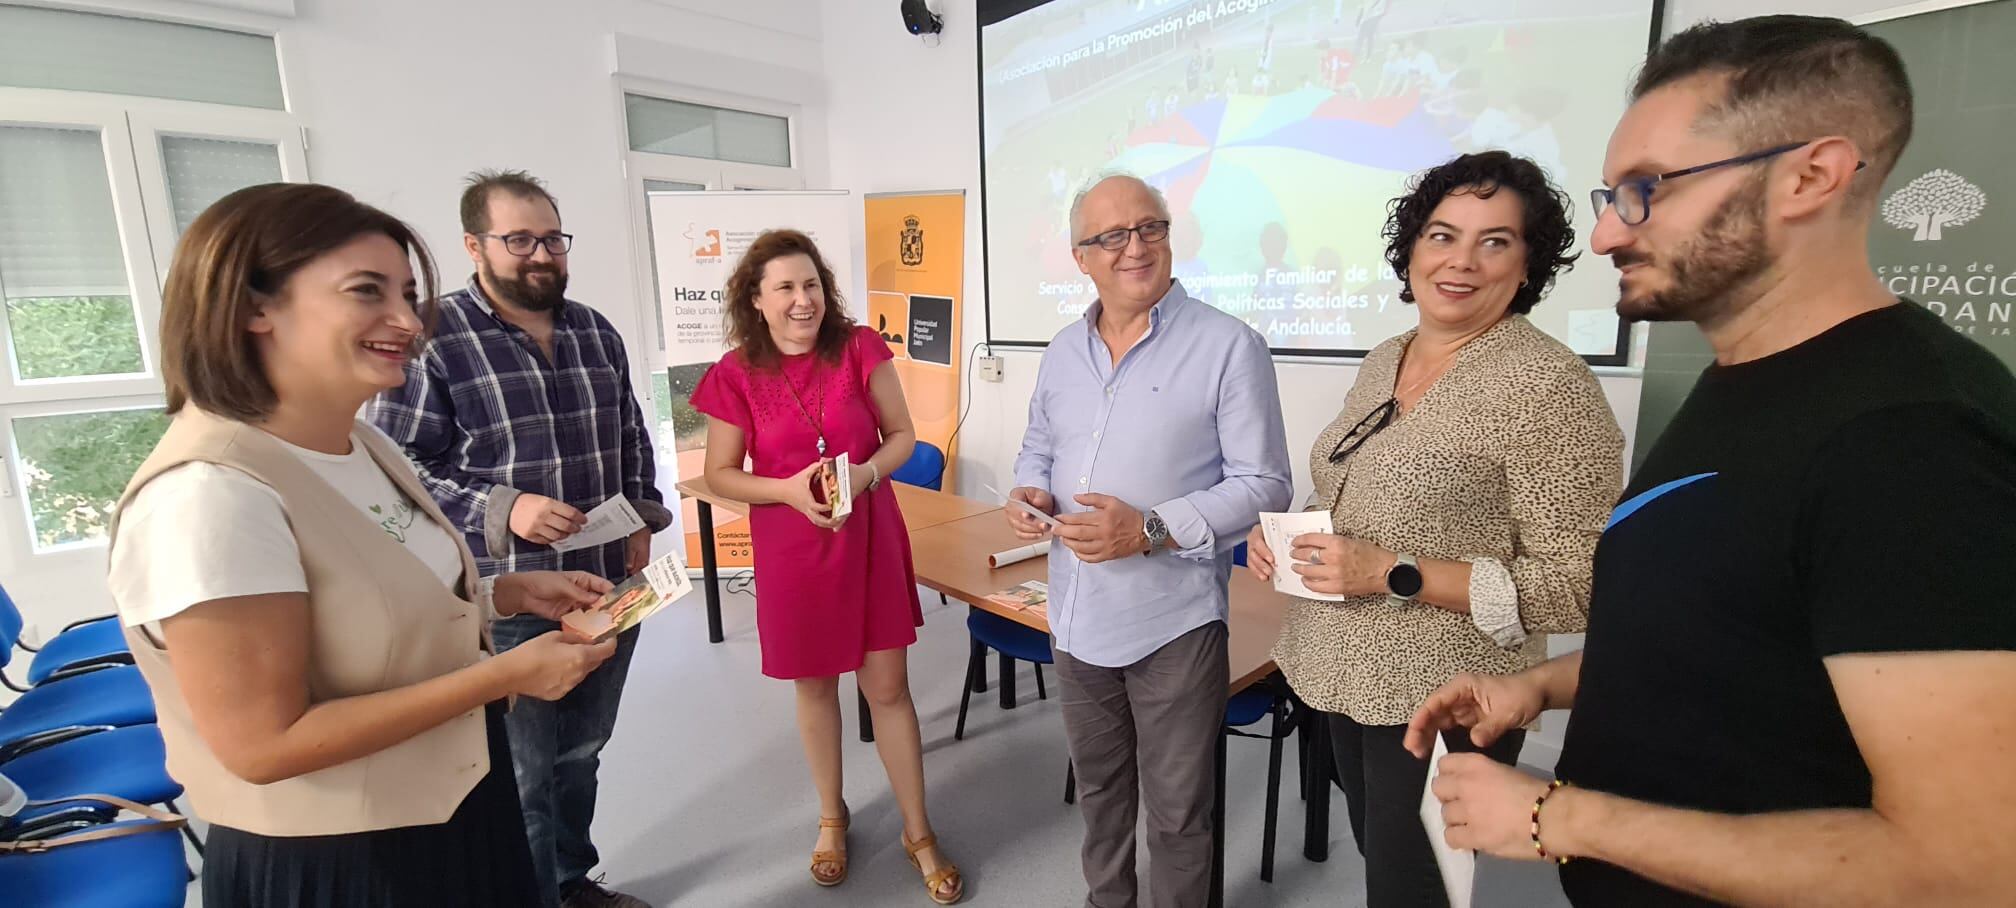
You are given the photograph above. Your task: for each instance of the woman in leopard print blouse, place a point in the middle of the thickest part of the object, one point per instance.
(1468, 477)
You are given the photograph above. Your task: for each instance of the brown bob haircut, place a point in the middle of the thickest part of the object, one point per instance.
(237, 256)
(745, 327)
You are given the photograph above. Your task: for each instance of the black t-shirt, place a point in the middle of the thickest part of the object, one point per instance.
(1854, 494)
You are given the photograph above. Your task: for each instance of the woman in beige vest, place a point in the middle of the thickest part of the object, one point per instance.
(313, 631)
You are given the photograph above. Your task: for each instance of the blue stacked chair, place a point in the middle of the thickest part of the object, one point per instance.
(143, 870)
(92, 641)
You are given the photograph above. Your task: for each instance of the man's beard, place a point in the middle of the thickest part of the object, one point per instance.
(522, 292)
(1706, 273)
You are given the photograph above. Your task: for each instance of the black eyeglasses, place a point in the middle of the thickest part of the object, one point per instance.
(1116, 240)
(522, 244)
(1633, 198)
(1380, 417)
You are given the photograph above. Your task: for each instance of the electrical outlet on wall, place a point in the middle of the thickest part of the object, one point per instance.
(990, 368)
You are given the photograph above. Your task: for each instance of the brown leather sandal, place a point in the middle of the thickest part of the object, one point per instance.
(933, 881)
(835, 858)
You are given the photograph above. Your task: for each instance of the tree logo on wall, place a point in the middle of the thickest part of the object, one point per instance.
(1932, 203)
(911, 247)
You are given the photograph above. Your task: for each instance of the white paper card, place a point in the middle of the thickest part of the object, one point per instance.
(1023, 506)
(1459, 865)
(611, 520)
(1279, 529)
(667, 577)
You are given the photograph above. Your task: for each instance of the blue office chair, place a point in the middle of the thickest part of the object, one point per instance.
(111, 695)
(93, 641)
(926, 468)
(1269, 697)
(1014, 642)
(130, 762)
(144, 870)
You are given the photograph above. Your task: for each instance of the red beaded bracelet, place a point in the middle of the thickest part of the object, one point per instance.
(1538, 802)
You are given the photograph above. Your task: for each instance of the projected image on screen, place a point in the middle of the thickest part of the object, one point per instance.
(1279, 130)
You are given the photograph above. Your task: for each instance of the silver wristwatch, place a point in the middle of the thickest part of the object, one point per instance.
(1156, 531)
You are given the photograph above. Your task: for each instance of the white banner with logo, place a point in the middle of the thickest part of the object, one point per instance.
(697, 239)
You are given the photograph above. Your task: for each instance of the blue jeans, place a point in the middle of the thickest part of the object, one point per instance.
(557, 748)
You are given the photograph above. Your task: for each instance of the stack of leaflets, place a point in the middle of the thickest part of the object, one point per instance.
(1032, 597)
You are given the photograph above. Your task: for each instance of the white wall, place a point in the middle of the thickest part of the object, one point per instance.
(402, 98)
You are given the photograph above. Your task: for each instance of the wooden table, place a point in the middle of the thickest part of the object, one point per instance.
(952, 559)
(921, 508)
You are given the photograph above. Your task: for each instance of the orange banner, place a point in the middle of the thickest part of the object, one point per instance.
(916, 278)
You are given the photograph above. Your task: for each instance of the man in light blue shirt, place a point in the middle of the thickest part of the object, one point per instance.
(1155, 437)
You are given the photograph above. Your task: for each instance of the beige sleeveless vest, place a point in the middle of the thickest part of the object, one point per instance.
(380, 619)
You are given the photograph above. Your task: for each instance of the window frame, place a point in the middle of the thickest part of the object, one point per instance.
(130, 129)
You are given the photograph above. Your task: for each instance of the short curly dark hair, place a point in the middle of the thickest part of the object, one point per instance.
(1546, 229)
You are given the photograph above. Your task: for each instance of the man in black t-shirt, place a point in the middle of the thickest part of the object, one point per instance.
(1799, 684)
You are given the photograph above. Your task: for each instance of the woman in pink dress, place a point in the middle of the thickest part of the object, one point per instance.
(803, 386)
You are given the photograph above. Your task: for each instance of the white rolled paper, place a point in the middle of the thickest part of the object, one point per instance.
(1004, 559)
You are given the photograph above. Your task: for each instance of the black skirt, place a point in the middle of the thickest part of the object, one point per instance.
(478, 858)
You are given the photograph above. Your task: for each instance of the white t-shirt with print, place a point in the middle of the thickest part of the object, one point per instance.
(201, 532)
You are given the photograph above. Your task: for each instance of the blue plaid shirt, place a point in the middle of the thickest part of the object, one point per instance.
(485, 417)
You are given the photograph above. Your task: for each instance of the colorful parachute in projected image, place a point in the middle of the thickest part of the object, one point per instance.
(1310, 160)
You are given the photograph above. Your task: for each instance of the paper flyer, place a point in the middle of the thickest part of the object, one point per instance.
(1279, 529)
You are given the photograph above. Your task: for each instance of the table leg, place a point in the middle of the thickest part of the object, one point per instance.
(1217, 898)
(710, 570)
(1007, 681)
(867, 719)
(1316, 773)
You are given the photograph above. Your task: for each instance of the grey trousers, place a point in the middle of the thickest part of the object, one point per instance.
(1150, 727)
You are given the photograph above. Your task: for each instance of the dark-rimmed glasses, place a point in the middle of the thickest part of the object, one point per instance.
(1116, 240)
(1380, 417)
(1633, 197)
(522, 244)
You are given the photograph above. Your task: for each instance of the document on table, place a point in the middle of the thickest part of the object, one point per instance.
(1279, 529)
(1459, 865)
(611, 520)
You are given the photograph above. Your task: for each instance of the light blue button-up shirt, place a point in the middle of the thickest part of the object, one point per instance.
(1188, 426)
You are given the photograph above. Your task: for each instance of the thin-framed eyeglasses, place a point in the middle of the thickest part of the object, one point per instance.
(1380, 417)
(522, 244)
(1633, 197)
(1116, 240)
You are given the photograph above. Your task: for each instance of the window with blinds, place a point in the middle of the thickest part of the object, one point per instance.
(659, 126)
(73, 51)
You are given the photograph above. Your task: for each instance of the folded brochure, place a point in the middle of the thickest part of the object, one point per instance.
(609, 521)
(1279, 529)
(635, 599)
(836, 479)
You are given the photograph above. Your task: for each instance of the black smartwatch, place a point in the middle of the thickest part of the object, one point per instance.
(1404, 579)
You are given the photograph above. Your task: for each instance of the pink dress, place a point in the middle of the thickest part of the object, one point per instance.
(824, 599)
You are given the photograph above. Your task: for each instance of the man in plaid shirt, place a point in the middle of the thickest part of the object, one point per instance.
(519, 416)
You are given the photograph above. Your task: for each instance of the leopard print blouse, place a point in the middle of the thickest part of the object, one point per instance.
(1511, 460)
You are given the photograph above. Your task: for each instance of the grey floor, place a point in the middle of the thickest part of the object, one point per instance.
(705, 801)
